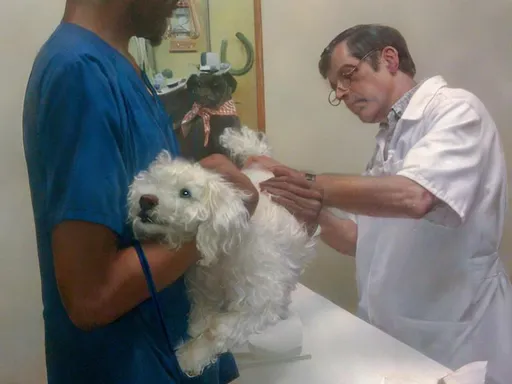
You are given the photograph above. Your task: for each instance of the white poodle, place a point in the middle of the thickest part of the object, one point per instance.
(248, 266)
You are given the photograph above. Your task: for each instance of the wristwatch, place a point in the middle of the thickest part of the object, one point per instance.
(310, 177)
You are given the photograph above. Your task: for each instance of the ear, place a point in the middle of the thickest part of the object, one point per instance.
(391, 59)
(227, 221)
(231, 81)
(192, 81)
(164, 157)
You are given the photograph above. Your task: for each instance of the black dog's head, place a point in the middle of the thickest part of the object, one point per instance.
(211, 90)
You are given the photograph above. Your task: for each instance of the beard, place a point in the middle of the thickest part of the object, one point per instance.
(150, 19)
(157, 38)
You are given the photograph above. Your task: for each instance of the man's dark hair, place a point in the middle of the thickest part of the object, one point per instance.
(364, 38)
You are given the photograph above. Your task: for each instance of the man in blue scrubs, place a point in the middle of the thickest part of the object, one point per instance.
(92, 121)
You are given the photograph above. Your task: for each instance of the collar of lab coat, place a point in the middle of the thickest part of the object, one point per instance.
(423, 97)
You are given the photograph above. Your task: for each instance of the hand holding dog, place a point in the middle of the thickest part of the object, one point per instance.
(293, 191)
(263, 161)
(225, 167)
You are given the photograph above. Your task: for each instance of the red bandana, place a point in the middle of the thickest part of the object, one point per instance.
(226, 109)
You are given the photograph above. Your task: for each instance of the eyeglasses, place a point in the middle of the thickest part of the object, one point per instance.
(344, 80)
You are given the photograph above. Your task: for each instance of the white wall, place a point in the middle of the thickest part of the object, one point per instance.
(466, 41)
(24, 25)
(299, 119)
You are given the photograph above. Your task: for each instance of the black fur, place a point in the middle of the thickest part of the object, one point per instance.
(211, 91)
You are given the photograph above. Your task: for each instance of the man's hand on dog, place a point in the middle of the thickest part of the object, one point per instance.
(292, 190)
(222, 165)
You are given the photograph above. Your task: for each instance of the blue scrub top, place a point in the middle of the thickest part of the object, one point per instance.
(90, 125)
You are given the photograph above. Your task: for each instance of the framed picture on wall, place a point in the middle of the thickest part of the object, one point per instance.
(188, 27)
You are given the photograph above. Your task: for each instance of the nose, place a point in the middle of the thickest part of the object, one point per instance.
(148, 202)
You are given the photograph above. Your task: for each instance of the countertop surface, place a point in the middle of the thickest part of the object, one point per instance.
(343, 349)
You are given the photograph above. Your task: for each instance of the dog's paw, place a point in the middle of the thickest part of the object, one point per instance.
(195, 355)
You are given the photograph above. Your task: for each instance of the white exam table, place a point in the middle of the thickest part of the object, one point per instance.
(344, 350)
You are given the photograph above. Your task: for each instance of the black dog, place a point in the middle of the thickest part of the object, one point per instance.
(209, 93)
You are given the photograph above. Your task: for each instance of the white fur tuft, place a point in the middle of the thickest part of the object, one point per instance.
(243, 143)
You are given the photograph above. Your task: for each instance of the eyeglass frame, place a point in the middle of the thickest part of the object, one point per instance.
(346, 76)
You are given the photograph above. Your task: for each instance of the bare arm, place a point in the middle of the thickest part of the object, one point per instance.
(98, 283)
(339, 234)
(448, 162)
(385, 196)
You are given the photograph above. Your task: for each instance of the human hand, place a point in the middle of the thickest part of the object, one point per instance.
(230, 172)
(293, 191)
(263, 161)
(220, 164)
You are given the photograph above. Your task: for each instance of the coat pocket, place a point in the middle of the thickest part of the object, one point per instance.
(438, 340)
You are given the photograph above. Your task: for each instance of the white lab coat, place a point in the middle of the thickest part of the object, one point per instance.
(437, 284)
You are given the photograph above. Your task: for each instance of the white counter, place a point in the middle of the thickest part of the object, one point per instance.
(343, 349)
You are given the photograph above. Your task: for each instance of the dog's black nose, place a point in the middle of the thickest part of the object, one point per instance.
(148, 202)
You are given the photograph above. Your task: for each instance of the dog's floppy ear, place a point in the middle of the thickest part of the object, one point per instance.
(228, 219)
(192, 82)
(231, 81)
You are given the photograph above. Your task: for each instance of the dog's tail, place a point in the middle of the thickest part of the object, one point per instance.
(243, 143)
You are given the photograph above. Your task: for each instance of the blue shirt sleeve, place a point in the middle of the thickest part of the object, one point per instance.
(82, 148)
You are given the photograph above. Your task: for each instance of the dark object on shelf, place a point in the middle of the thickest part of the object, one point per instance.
(168, 73)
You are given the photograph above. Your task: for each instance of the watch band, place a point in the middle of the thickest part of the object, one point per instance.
(310, 176)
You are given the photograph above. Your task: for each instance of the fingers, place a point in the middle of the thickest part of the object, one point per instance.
(281, 170)
(301, 188)
(290, 205)
(296, 195)
(296, 179)
(309, 217)
(304, 201)
(304, 205)
(279, 193)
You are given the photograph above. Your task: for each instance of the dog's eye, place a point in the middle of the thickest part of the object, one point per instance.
(185, 193)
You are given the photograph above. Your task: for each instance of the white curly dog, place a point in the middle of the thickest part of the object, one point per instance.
(248, 267)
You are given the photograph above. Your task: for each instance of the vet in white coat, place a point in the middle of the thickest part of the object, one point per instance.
(437, 283)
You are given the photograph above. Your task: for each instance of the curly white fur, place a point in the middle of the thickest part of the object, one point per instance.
(244, 143)
(249, 266)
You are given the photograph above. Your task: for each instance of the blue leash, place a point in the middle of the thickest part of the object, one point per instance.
(174, 369)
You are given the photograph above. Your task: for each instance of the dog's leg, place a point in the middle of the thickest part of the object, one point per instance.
(224, 332)
(206, 296)
(198, 322)
(207, 343)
